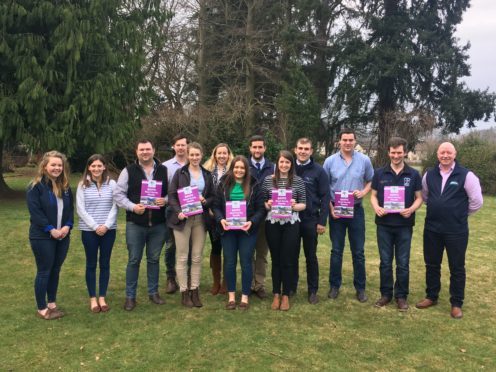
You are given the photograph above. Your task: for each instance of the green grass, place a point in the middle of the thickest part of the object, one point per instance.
(337, 335)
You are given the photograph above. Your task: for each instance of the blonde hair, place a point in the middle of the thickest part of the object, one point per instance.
(62, 182)
(212, 162)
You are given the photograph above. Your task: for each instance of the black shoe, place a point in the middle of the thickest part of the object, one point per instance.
(260, 293)
(383, 301)
(313, 299)
(130, 304)
(361, 296)
(156, 299)
(333, 293)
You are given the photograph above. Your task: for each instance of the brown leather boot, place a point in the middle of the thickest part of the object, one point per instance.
(276, 303)
(223, 287)
(215, 265)
(195, 297)
(284, 303)
(186, 299)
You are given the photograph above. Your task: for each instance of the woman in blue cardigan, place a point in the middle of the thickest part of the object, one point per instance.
(51, 211)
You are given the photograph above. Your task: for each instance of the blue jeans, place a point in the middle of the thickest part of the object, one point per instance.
(91, 242)
(232, 243)
(356, 237)
(394, 242)
(137, 237)
(49, 255)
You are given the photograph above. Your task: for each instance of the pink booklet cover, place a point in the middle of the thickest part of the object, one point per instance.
(150, 191)
(236, 214)
(189, 198)
(394, 198)
(344, 203)
(281, 203)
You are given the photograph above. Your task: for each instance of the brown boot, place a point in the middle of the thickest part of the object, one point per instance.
(186, 299)
(284, 303)
(223, 287)
(215, 264)
(195, 298)
(276, 303)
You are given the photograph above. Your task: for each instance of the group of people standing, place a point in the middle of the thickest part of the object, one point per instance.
(450, 191)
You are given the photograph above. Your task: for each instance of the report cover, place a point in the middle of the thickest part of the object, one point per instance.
(394, 198)
(150, 191)
(344, 203)
(236, 214)
(189, 198)
(281, 203)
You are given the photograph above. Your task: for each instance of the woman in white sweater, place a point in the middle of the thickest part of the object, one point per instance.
(97, 213)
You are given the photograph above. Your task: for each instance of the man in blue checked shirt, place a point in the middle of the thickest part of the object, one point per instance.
(350, 173)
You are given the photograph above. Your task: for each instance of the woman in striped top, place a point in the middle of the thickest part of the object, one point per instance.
(218, 164)
(97, 213)
(282, 225)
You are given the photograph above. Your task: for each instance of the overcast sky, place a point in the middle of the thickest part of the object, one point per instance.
(479, 27)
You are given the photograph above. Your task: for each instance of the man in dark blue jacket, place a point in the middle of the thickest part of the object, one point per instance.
(314, 217)
(396, 195)
(260, 167)
(451, 193)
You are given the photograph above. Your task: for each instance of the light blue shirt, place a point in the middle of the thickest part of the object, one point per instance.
(172, 166)
(199, 182)
(254, 162)
(352, 176)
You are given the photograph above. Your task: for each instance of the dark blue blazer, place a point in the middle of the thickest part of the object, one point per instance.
(42, 205)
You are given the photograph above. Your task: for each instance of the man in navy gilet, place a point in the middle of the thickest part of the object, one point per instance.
(145, 227)
(451, 193)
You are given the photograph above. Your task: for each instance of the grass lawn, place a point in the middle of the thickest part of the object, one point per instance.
(333, 335)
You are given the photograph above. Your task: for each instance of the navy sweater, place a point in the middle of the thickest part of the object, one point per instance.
(42, 205)
(317, 190)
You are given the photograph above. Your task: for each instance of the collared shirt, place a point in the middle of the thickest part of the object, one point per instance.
(172, 166)
(261, 162)
(410, 179)
(305, 163)
(352, 176)
(472, 188)
(120, 192)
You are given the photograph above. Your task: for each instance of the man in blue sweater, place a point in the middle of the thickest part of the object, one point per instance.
(451, 193)
(314, 217)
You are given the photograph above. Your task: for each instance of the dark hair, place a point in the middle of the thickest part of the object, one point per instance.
(256, 138)
(178, 137)
(230, 180)
(347, 131)
(303, 140)
(105, 175)
(396, 142)
(143, 140)
(277, 173)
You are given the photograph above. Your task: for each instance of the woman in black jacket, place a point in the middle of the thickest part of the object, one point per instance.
(188, 224)
(51, 211)
(238, 186)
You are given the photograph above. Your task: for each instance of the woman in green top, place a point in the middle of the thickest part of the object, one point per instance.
(238, 236)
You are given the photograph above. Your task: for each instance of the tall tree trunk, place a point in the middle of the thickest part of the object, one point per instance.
(386, 95)
(202, 71)
(4, 188)
(249, 70)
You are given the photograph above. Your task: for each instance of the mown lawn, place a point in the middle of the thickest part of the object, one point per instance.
(337, 335)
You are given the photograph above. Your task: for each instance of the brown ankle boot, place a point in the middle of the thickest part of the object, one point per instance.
(215, 264)
(284, 303)
(276, 303)
(186, 299)
(223, 287)
(195, 297)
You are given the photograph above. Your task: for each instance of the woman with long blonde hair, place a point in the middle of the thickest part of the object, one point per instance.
(218, 164)
(51, 210)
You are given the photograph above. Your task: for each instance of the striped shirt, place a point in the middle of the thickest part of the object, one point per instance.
(96, 207)
(299, 195)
